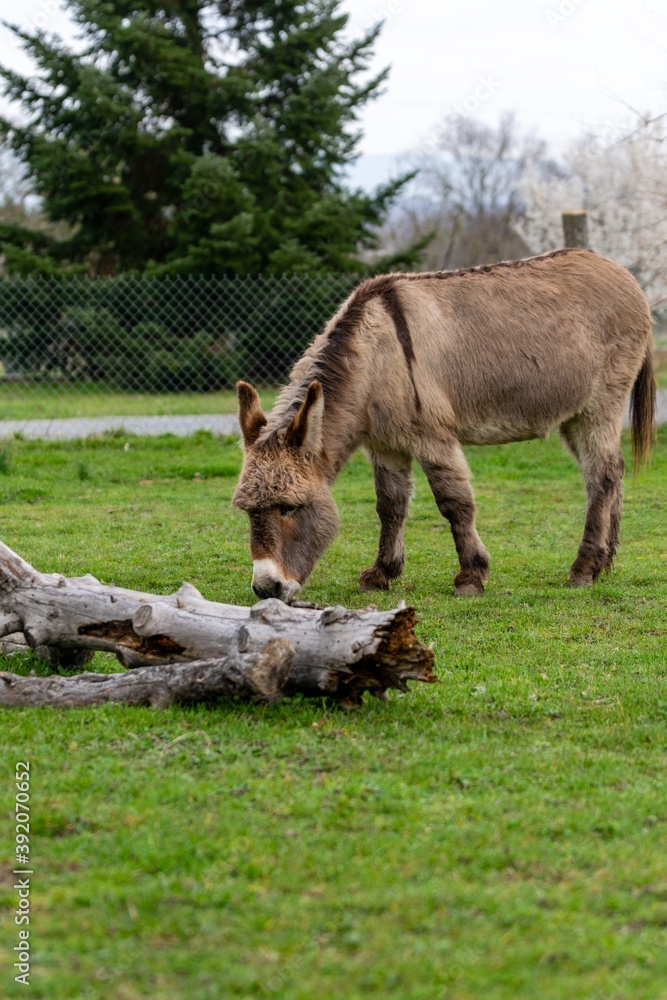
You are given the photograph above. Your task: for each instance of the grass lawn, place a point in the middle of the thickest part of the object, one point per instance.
(498, 835)
(40, 402)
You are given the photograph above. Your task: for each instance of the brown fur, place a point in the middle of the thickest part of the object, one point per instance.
(414, 366)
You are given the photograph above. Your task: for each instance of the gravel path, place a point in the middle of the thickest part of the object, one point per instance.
(81, 427)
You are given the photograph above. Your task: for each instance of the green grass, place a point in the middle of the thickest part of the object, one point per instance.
(33, 402)
(498, 835)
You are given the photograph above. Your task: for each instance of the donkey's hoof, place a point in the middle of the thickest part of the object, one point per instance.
(473, 588)
(580, 581)
(467, 585)
(373, 579)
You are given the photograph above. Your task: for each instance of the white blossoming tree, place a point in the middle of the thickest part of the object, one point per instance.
(623, 187)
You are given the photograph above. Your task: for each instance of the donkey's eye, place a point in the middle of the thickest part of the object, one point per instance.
(286, 509)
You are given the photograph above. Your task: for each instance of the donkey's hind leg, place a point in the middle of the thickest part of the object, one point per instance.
(449, 480)
(393, 487)
(596, 446)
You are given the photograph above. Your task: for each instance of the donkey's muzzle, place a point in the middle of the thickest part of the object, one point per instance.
(267, 581)
(270, 590)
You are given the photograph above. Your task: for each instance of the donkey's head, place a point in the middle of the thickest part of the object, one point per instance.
(284, 490)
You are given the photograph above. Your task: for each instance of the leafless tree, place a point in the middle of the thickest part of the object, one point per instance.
(467, 193)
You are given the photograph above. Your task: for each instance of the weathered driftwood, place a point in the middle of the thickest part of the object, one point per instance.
(332, 651)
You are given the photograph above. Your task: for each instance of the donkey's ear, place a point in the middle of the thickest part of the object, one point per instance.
(306, 428)
(251, 417)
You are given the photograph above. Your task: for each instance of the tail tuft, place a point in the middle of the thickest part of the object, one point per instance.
(642, 413)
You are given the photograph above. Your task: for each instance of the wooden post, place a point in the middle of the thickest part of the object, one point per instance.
(575, 229)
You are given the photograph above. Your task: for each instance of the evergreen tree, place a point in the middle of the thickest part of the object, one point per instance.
(196, 136)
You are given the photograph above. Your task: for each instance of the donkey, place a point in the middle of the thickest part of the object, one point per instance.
(417, 365)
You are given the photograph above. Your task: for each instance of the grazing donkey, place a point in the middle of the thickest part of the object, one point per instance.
(414, 366)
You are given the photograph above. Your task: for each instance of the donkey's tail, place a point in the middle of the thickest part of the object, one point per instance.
(642, 411)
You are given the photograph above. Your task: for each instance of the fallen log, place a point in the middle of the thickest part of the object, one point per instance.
(331, 651)
(260, 676)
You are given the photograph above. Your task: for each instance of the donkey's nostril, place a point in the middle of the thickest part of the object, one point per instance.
(270, 588)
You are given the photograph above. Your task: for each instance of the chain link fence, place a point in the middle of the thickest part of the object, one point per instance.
(140, 349)
(73, 347)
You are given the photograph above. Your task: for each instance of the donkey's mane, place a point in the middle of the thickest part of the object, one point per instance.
(330, 362)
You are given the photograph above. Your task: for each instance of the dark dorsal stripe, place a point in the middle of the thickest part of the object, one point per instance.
(394, 307)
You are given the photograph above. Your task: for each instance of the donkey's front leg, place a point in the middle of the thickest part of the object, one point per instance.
(393, 486)
(449, 480)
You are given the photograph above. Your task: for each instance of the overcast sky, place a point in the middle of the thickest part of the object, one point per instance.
(564, 66)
